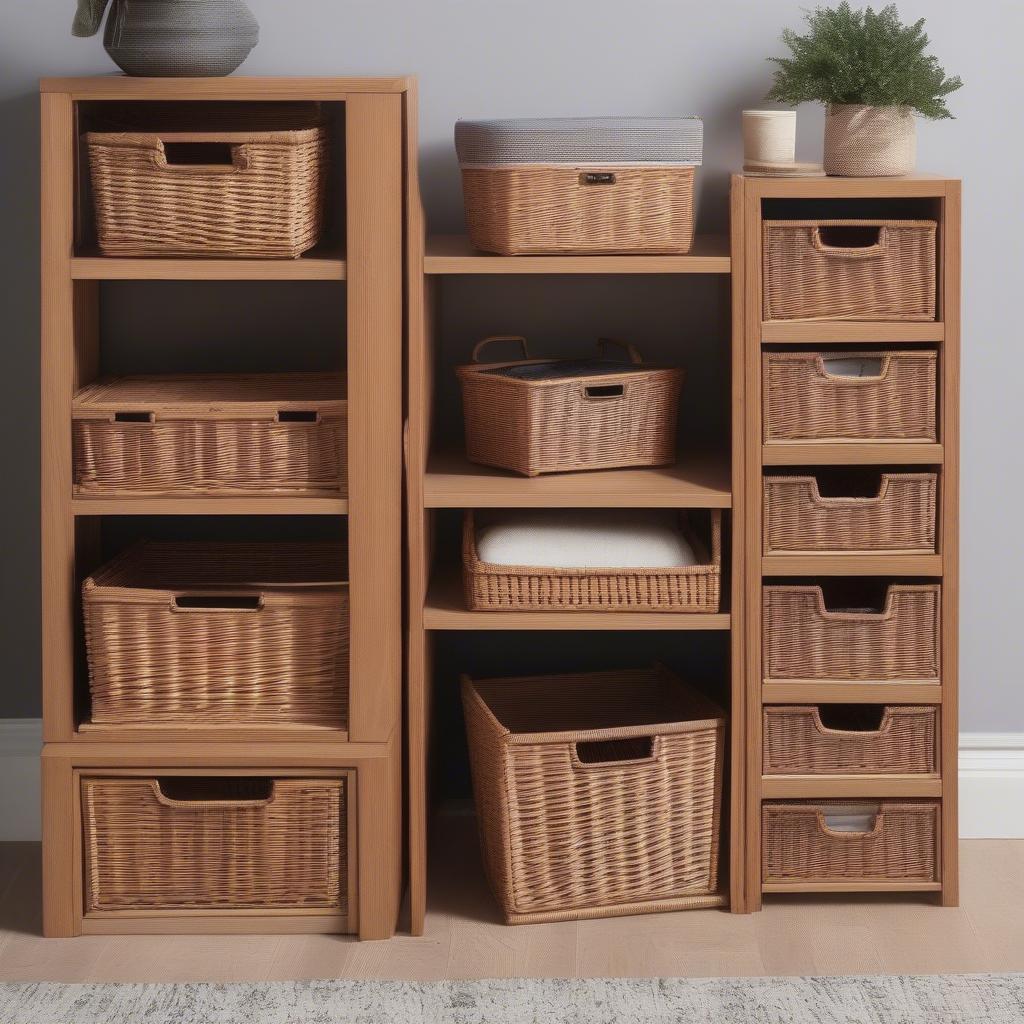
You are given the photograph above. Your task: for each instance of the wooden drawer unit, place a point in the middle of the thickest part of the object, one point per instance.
(804, 640)
(861, 739)
(217, 844)
(849, 396)
(834, 841)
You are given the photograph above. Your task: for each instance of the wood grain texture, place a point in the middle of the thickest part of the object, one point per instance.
(237, 87)
(201, 506)
(821, 332)
(850, 453)
(313, 266)
(802, 787)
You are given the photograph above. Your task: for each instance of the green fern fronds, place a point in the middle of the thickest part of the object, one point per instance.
(862, 56)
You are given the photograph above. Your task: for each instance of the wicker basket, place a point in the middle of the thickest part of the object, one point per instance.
(235, 843)
(264, 199)
(597, 794)
(692, 588)
(901, 518)
(799, 846)
(227, 434)
(803, 401)
(538, 416)
(219, 634)
(803, 640)
(903, 741)
(849, 269)
(599, 185)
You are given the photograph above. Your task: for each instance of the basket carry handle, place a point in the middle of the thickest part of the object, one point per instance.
(213, 803)
(630, 349)
(480, 345)
(133, 417)
(199, 144)
(832, 833)
(855, 252)
(297, 416)
(598, 754)
(201, 601)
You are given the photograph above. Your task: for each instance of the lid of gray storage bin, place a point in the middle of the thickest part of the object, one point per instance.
(580, 140)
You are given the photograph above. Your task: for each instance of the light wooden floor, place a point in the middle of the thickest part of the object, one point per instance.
(464, 939)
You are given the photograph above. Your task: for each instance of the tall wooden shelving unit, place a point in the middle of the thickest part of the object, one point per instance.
(375, 114)
(441, 478)
(938, 199)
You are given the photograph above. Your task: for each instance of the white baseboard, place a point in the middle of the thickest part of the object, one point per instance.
(991, 782)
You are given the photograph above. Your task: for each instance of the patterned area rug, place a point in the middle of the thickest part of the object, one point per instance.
(939, 999)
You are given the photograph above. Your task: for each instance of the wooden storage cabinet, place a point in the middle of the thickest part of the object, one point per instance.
(851, 350)
(338, 478)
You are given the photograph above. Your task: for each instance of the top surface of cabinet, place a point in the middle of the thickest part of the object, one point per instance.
(122, 87)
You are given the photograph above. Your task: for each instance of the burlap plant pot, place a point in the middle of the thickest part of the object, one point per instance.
(869, 142)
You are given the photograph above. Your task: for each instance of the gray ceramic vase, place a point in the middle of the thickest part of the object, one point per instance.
(180, 38)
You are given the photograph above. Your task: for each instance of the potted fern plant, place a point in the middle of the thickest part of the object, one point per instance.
(873, 75)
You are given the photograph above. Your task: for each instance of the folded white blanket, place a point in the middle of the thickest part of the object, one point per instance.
(836, 366)
(583, 538)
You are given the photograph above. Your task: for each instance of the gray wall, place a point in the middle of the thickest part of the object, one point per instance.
(523, 57)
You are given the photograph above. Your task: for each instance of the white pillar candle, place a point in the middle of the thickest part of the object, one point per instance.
(769, 136)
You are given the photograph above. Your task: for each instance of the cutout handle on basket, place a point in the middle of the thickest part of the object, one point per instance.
(612, 752)
(630, 349)
(604, 391)
(202, 155)
(854, 820)
(850, 241)
(298, 416)
(194, 793)
(217, 603)
(481, 345)
(134, 417)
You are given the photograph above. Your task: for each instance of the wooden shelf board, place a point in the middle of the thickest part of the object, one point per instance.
(850, 453)
(91, 732)
(315, 266)
(453, 254)
(816, 691)
(700, 480)
(796, 787)
(828, 332)
(919, 185)
(868, 885)
(852, 565)
(226, 506)
(241, 87)
(197, 752)
(445, 609)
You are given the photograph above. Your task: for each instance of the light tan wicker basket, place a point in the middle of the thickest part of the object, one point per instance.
(212, 434)
(802, 401)
(225, 634)
(849, 269)
(564, 209)
(603, 416)
(597, 794)
(902, 740)
(265, 200)
(900, 518)
(802, 639)
(692, 588)
(237, 843)
(799, 846)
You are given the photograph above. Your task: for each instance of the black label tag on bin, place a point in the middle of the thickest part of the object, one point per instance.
(597, 178)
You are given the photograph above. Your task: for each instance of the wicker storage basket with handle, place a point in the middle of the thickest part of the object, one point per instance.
(687, 588)
(538, 416)
(597, 794)
(219, 633)
(855, 739)
(899, 518)
(245, 192)
(580, 185)
(215, 844)
(211, 434)
(844, 841)
(849, 269)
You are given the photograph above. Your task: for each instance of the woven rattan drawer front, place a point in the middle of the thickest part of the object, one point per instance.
(206, 434)
(901, 518)
(803, 639)
(216, 843)
(797, 742)
(219, 633)
(596, 793)
(849, 270)
(803, 401)
(897, 841)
